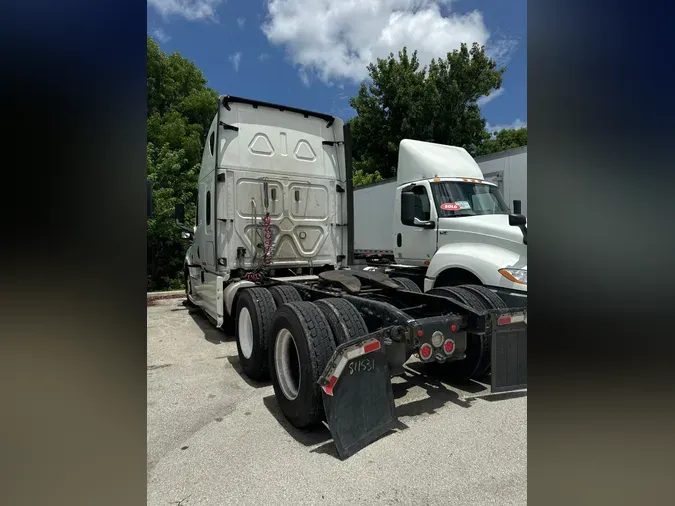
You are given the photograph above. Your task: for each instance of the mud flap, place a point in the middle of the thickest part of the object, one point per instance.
(357, 395)
(509, 350)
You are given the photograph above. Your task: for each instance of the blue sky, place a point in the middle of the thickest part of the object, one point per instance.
(313, 53)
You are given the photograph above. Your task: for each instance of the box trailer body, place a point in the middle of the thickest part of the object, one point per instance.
(268, 260)
(508, 170)
(373, 226)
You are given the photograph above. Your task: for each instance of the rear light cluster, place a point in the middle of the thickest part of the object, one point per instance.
(439, 341)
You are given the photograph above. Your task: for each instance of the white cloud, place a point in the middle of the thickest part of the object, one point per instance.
(192, 10)
(337, 40)
(263, 56)
(235, 59)
(489, 98)
(240, 22)
(161, 35)
(303, 76)
(518, 123)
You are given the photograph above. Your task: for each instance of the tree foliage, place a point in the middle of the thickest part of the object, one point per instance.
(360, 178)
(180, 110)
(434, 104)
(504, 139)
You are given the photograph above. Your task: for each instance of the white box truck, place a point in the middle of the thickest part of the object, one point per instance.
(440, 223)
(508, 170)
(269, 254)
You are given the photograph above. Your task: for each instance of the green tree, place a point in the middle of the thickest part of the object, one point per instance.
(360, 178)
(435, 104)
(504, 139)
(180, 110)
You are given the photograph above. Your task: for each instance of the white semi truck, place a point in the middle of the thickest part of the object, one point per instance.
(441, 223)
(270, 252)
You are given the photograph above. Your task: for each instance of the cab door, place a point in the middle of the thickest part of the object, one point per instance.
(415, 238)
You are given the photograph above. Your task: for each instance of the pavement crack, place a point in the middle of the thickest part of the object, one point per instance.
(158, 366)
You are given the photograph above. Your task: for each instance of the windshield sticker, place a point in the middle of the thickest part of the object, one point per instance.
(463, 204)
(450, 206)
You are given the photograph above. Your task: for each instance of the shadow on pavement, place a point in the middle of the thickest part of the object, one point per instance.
(236, 365)
(500, 396)
(468, 386)
(208, 327)
(305, 437)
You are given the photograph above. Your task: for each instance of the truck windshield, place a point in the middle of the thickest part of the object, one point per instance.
(453, 198)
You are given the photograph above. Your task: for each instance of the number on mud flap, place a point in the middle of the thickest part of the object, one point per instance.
(362, 365)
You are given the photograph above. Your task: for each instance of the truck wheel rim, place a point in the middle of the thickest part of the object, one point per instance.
(287, 364)
(245, 333)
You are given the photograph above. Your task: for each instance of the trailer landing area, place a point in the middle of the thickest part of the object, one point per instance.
(217, 438)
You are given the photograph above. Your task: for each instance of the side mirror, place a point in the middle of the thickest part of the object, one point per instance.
(424, 224)
(517, 220)
(179, 214)
(516, 207)
(407, 207)
(148, 197)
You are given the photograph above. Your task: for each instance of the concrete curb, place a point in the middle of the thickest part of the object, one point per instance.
(174, 294)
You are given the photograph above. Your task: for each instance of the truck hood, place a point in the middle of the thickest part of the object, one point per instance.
(490, 229)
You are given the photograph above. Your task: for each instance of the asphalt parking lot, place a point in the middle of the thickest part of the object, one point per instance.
(217, 438)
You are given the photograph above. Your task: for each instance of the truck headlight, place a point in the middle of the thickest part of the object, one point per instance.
(516, 275)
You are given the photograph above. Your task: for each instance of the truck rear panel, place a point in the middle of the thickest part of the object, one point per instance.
(288, 164)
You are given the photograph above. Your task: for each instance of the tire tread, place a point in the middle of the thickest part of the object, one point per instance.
(407, 284)
(345, 321)
(261, 308)
(283, 294)
(321, 344)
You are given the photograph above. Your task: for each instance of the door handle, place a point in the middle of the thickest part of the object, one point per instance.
(398, 240)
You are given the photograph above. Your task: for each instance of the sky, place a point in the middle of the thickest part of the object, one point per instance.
(313, 54)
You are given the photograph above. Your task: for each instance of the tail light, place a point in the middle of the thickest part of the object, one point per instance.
(505, 319)
(426, 351)
(449, 347)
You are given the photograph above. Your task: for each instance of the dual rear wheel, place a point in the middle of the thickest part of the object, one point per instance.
(290, 340)
(478, 360)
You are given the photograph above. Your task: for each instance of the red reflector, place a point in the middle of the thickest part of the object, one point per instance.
(371, 347)
(420, 333)
(425, 351)
(453, 327)
(449, 346)
(331, 383)
(503, 320)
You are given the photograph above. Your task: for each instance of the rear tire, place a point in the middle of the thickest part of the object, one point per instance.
(407, 284)
(301, 344)
(283, 294)
(345, 321)
(490, 298)
(477, 359)
(255, 307)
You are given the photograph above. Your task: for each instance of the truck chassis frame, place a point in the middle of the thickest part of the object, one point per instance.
(359, 408)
